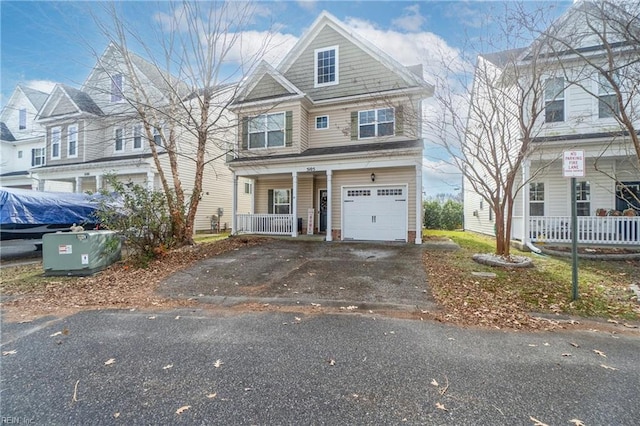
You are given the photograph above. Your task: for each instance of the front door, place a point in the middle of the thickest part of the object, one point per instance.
(322, 210)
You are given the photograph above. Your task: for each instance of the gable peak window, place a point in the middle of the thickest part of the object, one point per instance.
(554, 100)
(117, 84)
(376, 122)
(326, 66)
(608, 106)
(22, 118)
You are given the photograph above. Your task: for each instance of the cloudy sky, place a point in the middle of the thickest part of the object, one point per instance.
(47, 42)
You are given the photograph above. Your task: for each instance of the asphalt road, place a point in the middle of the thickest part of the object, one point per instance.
(318, 369)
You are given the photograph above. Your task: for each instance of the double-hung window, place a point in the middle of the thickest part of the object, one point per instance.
(157, 136)
(583, 198)
(607, 99)
(72, 141)
(554, 100)
(117, 82)
(536, 199)
(281, 201)
(326, 66)
(37, 157)
(118, 136)
(22, 118)
(55, 142)
(137, 136)
(267, 130)
(376, 122)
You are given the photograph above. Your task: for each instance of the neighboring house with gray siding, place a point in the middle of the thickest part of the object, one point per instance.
(331, 141)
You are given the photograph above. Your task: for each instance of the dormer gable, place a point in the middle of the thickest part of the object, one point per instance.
(20, 112)
(267, 83)
(68, 101)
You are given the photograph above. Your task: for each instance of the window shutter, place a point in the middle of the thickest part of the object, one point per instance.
(270, 201)
(33, 157)
(244, 134)
(354, 125)
(288, 128)
(399, 120)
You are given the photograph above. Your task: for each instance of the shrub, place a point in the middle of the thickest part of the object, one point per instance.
(432, 214)
(451, 217)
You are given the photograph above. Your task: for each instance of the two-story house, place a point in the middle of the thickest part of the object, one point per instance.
(579, 112)
(331, 141)
(22, 141)
(95, 130)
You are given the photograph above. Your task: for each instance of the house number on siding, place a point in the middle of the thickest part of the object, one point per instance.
(311, 169)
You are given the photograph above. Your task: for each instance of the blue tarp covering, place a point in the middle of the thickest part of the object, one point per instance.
(24, 207)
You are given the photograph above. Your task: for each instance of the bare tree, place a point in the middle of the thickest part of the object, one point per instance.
(487, 120)
(194, 60)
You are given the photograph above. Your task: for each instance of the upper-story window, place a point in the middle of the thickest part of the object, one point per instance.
(607, 99)
(37, 157)
(376, 122)
(118, 136)
(55, 142)
(137, 136)
(157, 136)
(22, 119)
(326, 66)
(554, 100)
(72, 141)
(117, 83)
(322, 122)
(267, 130)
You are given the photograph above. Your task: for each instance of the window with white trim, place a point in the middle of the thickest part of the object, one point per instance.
(322, 122)
(157, 136)
(19, 154)
(247, 188)
(536, 199)
(326, 66)
(55, 142)
(137, 137)
(22, 119)
(118, 139)
(554, 100)
(72, 141)
(607, 99)
(376, 122)
(281, 201)
(117, 83)
(583, 198)
(267, 131)
(37, 157)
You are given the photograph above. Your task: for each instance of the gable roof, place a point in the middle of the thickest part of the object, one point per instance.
(36, 97)
(81, 101)
(264, 69)
(5, 133)
(326, 19)
(503, 57)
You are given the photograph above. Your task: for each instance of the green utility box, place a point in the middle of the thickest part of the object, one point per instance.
(79, 253)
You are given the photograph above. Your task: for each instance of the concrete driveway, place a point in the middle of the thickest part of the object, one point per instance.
(366, 275)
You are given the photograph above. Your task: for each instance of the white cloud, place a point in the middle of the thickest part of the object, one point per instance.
(440, 176)
(411, 19)
(309, 5)
(45, 86)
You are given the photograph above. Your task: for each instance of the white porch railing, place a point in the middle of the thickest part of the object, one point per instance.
(620, 230)
(271, 224)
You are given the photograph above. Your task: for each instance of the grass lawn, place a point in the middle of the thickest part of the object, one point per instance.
(514, 293)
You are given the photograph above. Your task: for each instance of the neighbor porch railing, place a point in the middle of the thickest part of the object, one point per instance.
(271, 224)
(621, 230)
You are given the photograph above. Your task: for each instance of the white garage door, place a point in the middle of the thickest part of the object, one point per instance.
(377, 213)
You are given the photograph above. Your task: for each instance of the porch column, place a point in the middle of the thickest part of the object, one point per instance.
(98, 183)
(526, 175)
(78, 184)
(151, 177)
(418, 204)
(234, 204)
(253, 196)
(329, 196)
(294, 204)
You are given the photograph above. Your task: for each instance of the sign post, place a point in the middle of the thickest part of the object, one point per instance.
(573, 166)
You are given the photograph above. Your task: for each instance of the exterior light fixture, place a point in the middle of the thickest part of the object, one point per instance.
(373, 177)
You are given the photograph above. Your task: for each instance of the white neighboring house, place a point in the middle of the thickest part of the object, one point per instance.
(22, 139)
(89, 132)
(579, 114)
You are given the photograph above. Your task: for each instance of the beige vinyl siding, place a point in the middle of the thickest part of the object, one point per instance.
(384, 176)
(267, 87)
(262, 187)
(339, 131)
(358, 72)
